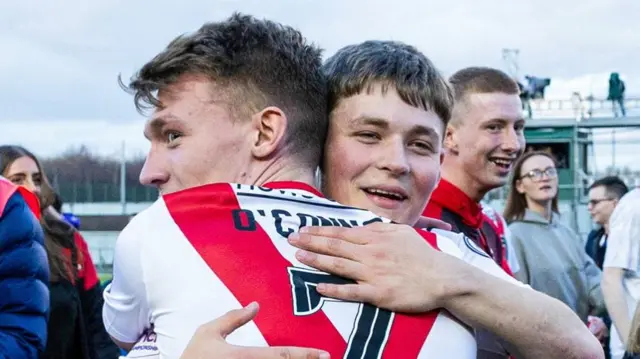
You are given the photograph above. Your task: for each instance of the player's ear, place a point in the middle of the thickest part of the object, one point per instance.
(450, 140)
(270, 128)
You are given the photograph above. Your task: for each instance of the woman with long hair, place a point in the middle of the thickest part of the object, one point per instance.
(75, 328)
(551, 256)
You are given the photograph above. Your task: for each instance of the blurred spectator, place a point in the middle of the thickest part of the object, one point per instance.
(75, 327)
(621, 274)
(604, 195)
(24, 275)
(616, 94)
(550, 253)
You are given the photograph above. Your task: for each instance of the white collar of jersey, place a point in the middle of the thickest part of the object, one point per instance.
(293, 185)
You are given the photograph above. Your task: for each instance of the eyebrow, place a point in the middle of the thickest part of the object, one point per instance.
(384, 125)
(154, 127)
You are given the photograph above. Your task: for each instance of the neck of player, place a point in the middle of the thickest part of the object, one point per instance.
(277, 171)
(464, 182)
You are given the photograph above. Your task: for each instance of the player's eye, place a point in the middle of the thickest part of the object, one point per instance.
(172, 137)
(368, 136)
(422, 146)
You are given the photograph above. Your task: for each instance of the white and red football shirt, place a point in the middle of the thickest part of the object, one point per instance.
(199, 253)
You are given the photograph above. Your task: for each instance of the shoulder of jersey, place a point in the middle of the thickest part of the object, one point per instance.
(448, 242)
(144, 220)
(461, 241)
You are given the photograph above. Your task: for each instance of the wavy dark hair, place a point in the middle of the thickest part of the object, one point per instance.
(59, 235)
(516, 204)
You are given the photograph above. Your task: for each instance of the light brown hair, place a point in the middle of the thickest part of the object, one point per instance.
(482, 80)
(256, 64)
(391, 64)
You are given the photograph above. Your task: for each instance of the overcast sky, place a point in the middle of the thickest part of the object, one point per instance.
(59, 60)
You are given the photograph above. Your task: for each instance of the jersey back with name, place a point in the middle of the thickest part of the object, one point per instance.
(215, 248)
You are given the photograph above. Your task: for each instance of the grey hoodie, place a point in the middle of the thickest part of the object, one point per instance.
(553, 261)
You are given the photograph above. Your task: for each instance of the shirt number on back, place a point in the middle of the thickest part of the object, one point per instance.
(372, 325)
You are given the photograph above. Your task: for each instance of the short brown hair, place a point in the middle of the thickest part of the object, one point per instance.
(357, 68)
(482, 80)
(259, 63)
(516, 204)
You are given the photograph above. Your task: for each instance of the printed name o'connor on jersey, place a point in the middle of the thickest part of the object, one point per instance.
(194, 255)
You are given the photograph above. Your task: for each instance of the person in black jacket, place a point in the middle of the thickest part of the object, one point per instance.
(75, 327)
(604, 195)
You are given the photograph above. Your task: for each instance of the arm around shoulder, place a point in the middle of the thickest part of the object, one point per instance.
(24, 278)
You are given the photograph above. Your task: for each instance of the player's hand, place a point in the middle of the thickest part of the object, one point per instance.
(393, 266)
(428, 222)
(598, 328)
(209, 341)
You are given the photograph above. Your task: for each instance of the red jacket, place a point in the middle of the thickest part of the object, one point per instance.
(465, 215)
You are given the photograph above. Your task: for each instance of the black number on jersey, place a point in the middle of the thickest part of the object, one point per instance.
(372, 325)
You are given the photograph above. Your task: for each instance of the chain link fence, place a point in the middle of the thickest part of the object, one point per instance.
(86, 192)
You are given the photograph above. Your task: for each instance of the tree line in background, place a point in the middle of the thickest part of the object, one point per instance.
(82, 176)
(79, 175)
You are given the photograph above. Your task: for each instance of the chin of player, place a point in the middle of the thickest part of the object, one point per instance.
(495, 180)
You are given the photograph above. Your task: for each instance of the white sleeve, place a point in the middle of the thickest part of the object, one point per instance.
(512, 258)
(475, 256)
(125, 312)
(623, 243)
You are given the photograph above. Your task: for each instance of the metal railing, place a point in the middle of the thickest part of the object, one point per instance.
(577, 107)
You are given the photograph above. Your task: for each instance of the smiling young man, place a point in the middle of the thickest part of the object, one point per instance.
(483, 139)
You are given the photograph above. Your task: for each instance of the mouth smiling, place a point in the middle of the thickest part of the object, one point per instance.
(386, 197)
(503, 163)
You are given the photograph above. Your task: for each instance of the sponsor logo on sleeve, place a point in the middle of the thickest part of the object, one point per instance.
(146, 346)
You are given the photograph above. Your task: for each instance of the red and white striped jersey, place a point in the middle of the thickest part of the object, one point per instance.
(197, 254)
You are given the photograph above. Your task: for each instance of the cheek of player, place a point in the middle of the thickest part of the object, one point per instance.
(194, 142)
(491, 137)
(386, 173)
(484, 156)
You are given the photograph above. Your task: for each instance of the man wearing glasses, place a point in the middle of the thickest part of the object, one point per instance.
(604, 195)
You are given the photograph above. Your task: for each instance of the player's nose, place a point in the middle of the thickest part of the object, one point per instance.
(512, 141)
(394, 159)
(153, 174)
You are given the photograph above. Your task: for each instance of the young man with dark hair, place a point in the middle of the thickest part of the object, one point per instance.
(229, 240)
(604, 195)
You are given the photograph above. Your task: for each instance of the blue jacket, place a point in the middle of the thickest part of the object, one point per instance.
(24, 278)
